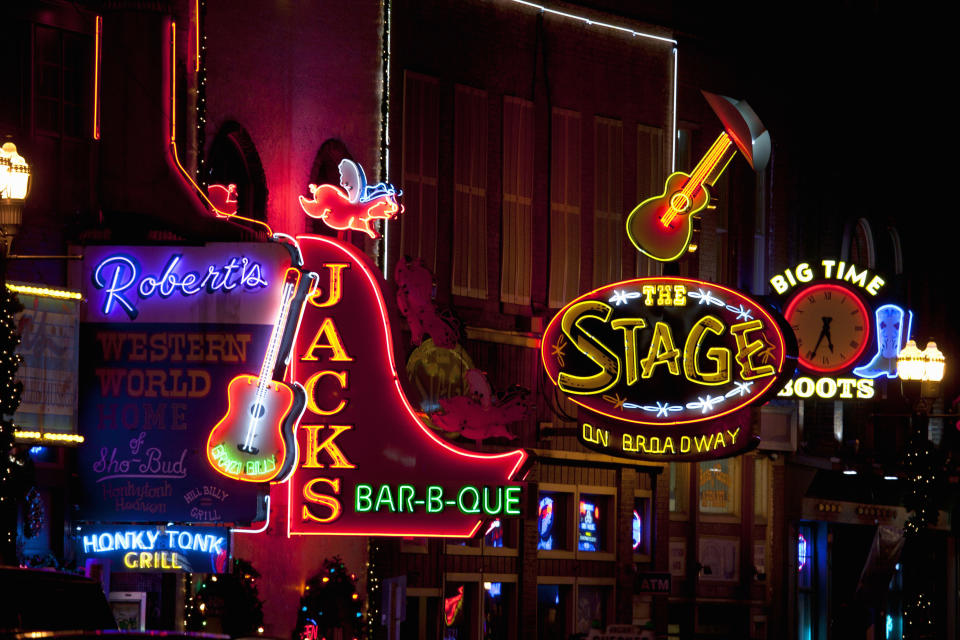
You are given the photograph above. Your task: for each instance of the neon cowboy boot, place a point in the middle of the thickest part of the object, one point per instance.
(368, 465)
(892, 334)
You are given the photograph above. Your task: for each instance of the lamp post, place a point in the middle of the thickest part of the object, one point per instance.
(14, 188)
(925, 367)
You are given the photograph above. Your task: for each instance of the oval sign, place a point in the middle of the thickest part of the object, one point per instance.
(666, 351)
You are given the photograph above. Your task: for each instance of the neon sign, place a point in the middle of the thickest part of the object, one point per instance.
(892, 327)
(830, 269)
(135, 548)
(664, 352)
(367, 465)
(357, 205)
(117, 275)
(828, 388)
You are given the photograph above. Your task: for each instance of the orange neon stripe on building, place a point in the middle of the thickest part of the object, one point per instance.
(96, 78)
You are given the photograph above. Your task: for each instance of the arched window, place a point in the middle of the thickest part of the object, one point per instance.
(233, 159)
(859, 247)
(897, 250)
(326, 170)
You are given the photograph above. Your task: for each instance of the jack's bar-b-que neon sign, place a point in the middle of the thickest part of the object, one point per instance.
(667, 366)
(367, 465)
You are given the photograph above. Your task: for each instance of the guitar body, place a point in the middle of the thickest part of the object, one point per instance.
(272, 450)
(661, 226)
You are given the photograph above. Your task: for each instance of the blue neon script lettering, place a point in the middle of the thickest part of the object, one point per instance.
(118, 276)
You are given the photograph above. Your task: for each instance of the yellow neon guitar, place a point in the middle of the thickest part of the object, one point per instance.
(256, 440)
(661, 226)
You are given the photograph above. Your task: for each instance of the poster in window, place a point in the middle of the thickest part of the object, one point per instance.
(717, 486)
(678, 557)
(545, 523)
(589, 526)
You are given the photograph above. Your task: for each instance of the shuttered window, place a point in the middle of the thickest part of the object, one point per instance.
(517, 231)
(421, 117)
(565, 154)
(470, 193)
(651, 174)
(608, 213)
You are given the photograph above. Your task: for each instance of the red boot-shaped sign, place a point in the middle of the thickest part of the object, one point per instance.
(367, 465)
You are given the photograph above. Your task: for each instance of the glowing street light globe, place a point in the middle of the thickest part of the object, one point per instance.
(910, 362)
(934, 363)
(14, 173)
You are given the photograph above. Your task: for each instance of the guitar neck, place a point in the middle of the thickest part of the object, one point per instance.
(276, 335)
(712, 164)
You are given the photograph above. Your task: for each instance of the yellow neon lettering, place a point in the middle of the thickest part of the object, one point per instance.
(630, 326)
(828, 267)
(664, 295)
(312, 457)
(684, 444)
(691, 354)
(335, 290)
(648, 291)
(804, 272)
(779, 284)
(310, 387)
(662, 351)
(588, 345)
(746, 350)
(146, 560)
(865, 388)
(856, 278)
(130, 560)
(322, 499)
(679, 295)
(328, 332)
(846, 385)
(875, 283)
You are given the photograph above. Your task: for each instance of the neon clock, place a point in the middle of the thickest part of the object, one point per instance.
(832, 326)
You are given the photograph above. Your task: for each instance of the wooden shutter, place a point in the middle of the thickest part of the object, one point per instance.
(421, 116)
(470, 193)
(517, 229)
(651, 174)
(565, 157)
(608, 213)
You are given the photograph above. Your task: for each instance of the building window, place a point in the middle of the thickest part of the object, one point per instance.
(806, 585)
(421, 117)
(565, 153)
(470, 193)
(719, 558)
(641, 524)
(859, 247)
(517, 230)
(552, 515)
(608, 214)
(719, 487)
(498, 610)
(761, 488)
(553, 611)
(233, 159)
(651, 174)
(590, 523)
(460, 610)
(63, 82)
(593, 607)
(679, 489)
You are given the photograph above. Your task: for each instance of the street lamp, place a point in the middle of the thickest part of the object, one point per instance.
(14, 187)
(926, 366)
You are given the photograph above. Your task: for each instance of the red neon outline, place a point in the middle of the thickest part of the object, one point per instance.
(387, 339)
(243, 477)
(847, 292)
(295, 274)
(773, 323)
(96, 77)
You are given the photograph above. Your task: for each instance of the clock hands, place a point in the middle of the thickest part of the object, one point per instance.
(824, 333)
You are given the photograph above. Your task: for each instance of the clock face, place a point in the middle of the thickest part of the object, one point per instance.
(832, 326)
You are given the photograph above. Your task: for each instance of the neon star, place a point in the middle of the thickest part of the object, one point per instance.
(663, 409)
(705, 404)
(741, 389)
(742, 312)
(621, 297)
(556, 350)
(615, 400)
(707, 298)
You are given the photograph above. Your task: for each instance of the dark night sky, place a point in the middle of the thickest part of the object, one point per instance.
(856, 94)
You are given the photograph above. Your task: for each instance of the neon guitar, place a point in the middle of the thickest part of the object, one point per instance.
(661, 226)
(256, 441)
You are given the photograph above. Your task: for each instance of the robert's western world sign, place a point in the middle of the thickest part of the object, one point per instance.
(666, 367)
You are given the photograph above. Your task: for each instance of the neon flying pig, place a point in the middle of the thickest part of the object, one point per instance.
(357, 205)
